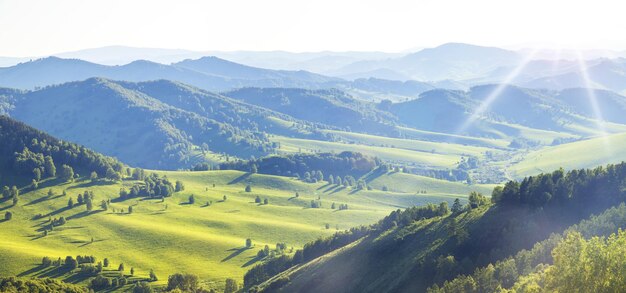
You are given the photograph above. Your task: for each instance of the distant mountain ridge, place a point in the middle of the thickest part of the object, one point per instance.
(123, 120)
(208, 73)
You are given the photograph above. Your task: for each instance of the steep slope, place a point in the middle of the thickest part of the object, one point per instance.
(411, 250)
(330, 107)
(610, 106)
(214, 227)
(506, 111)
(25, 149)
(136, 128)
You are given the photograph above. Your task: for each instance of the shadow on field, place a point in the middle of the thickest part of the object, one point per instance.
(331, 187)
(251, 261)
(89, 183)
(41, 271)
(240, 178)
(42, 199)
(6, 208)
(338, 189)
(31, 271)
(324, 186)
(76, 278)
(84, 214)
(371, 176)
(63, 209)
(85, 243)
(235, 252)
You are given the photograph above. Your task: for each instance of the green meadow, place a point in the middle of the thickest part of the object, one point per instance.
(207, 240)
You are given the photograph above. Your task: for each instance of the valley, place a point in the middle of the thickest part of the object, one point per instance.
(449, 168)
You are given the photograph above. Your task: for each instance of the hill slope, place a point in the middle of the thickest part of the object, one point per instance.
(121, 121)
(149, 237)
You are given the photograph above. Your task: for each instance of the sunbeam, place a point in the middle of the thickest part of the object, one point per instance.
(593, 100)
(496, 92)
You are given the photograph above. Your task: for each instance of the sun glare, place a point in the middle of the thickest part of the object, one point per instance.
(593, 100)
(495, 94)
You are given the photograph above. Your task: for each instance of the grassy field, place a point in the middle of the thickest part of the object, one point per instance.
(174, 236)
(412, 144)
(588, 153)
(396, 155)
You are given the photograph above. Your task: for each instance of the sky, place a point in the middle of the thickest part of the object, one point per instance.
(40, 27)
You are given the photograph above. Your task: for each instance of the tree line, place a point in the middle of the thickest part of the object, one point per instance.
(342, 164)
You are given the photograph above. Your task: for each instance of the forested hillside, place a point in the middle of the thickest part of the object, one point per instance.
(459, 241)
(27, 153)
(142, 130)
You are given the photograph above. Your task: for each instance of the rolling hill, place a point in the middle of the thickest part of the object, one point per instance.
(139, 129)
(329, 107)
(423, 247)
(454, 61)
(216, 224)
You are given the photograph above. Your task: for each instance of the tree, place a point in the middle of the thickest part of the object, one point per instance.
(231, 286)
(70, 203)
(130, 209)
(132, 271)
(37, 173)
(319, 176)
(93, 176)
(265, 201)
(70, 263)
(104, 205)
(106, 262)
(192, 199)
(248, 243)
(67, 173)
(476, 199)
(248, 188)
(142, 287)
(224, 198)
(49, 167)
(15, 192)
(257, 199)
(254, 169)
(6, 192)
(112, 175)
(456, 206)
(183, 282)
(443, 208)
(34, 184)
(50, 192)
(180, 186)
(153, 276)
(88, 204)
(79, 199)
(15, 200)
(8, 216)
(121, 267)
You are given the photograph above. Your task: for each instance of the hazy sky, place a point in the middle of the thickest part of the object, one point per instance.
(39, 27)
